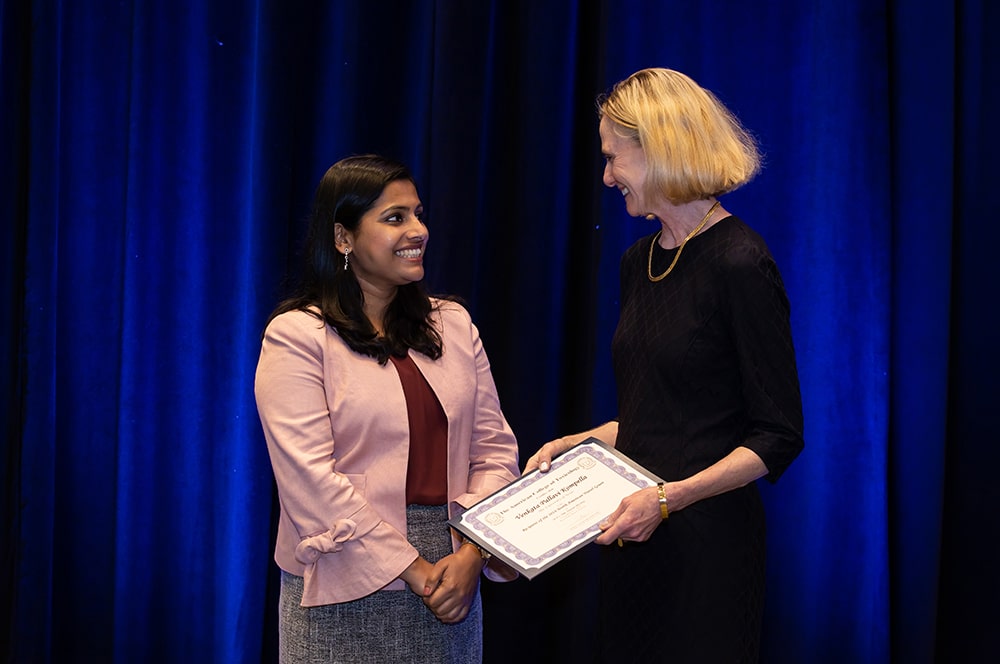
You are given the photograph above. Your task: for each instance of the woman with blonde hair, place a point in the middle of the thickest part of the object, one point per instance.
(708, 391)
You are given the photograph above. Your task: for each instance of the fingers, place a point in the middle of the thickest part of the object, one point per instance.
(610, 534)
(433, 579)
(537, 463)
(455, 587)
(542, 459)
(450, 611)
(448, 603)
(611, 527)
(635, 520)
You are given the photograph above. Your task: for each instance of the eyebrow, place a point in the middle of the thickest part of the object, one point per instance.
(400, 208)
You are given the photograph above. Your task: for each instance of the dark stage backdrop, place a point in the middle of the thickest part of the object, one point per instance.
(158, 162)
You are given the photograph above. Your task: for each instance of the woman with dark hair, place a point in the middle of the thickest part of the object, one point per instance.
(382, 420)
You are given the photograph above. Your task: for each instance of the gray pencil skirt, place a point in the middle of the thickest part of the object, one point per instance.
(386, 626)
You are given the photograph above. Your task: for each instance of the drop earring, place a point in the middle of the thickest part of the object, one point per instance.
(347, 263)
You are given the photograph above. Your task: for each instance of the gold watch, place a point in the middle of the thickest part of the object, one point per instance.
(483, 553)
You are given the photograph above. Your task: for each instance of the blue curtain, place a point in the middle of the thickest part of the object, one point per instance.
(158, 164)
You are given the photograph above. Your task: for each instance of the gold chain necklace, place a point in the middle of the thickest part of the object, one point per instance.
(649, 267)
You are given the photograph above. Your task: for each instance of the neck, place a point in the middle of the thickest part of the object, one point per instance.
(679, 221)
(376, 303)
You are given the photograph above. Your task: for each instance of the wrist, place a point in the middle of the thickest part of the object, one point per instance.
(411, 575)
(480, 552)
(661, 499)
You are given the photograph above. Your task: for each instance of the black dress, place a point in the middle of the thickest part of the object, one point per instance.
(704, 363)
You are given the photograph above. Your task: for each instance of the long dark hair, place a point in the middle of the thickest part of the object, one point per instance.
(348, 190)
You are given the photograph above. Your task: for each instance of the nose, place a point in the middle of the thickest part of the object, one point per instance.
(416, 230)
(607, 178)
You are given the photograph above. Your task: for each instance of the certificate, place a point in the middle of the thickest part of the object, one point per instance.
(539, 519)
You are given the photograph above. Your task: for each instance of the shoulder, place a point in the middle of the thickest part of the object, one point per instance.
(450, 313)
(745, 266)
(738, 246)
(297, 324)
(635, 258)
(638, 250)
(454, 322)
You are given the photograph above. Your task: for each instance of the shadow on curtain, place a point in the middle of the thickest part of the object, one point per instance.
(158, 166)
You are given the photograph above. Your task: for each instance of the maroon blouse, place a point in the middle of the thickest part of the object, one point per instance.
(427, 468)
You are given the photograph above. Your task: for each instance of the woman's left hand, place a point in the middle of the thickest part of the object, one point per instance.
(636, 518)
(452, 584)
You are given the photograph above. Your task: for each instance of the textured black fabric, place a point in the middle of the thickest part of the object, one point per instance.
(704, 363)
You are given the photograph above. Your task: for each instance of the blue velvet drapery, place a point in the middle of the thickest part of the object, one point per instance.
(158, 163)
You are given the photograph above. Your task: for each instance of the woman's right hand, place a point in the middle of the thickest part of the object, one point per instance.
(542, 459)
(416, 575)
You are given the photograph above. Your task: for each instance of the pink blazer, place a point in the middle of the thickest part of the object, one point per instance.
(337, 434)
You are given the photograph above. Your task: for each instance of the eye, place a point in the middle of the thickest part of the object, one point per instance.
(396, 218)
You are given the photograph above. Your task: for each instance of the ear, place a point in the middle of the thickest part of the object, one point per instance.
(342, 238)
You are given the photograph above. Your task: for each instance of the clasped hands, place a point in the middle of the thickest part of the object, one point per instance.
(449, 586)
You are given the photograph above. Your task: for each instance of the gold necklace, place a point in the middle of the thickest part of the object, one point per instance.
(649, 267)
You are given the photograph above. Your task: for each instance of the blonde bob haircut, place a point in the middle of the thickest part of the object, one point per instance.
(695, 148)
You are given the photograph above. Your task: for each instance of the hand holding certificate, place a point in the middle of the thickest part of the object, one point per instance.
(539, 519)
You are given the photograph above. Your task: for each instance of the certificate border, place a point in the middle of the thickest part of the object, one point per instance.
(469, 524)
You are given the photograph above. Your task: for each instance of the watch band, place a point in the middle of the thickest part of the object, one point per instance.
(483, 553)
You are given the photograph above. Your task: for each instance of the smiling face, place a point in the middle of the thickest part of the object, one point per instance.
(387, 248)
(625, 167)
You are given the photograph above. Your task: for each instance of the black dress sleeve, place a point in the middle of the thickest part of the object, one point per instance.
(760, 322)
